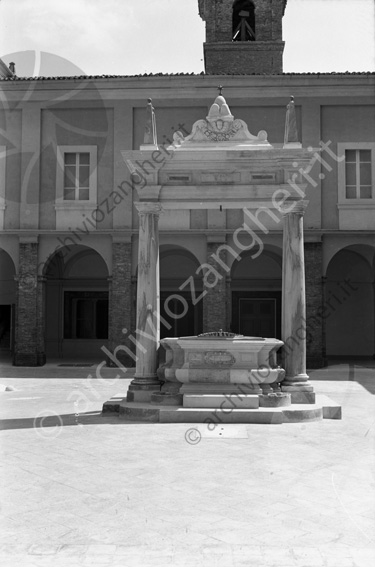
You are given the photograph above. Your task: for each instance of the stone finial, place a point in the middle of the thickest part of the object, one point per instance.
(150, 141)
(291, 133)
(220, 110)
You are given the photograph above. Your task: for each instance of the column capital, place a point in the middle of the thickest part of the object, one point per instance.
(28, 239)
(216, 238)
(146, 207)
(292, 206)
(121, 238)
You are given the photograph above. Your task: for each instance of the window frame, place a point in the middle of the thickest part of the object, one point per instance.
(60, 170)
(356, 202)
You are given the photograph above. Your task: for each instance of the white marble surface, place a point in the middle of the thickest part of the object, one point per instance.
(148, 293)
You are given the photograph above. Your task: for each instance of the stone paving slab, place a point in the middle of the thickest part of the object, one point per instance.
(78, 488)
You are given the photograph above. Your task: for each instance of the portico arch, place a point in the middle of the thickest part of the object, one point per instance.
(349, 303)
(76, 299)
(181, 304)
(256, 293)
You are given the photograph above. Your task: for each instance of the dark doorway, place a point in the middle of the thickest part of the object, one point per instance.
(184, 318)
(5, 328)
(257, 314)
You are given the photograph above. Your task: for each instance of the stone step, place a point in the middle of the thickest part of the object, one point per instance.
(213, 416)
(138, 412)
(331, 409)
(223, 401)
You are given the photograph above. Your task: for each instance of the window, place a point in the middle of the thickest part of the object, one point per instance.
(358, 174)
(356, 168)
(76, 185)
(76, 176)
(356, 185)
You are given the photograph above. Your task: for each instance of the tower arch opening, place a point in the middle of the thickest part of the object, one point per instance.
(243, 21)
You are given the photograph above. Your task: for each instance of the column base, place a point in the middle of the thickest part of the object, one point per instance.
(141, 389)
(300, 389)
(300, 394)
(296, 387)
(29, 359)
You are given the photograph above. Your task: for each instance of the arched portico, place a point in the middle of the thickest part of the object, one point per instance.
(76, 304)
(349, 302)
(256, 294)
(181, 306)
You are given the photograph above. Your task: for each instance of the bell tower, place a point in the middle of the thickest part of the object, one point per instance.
(243, 36)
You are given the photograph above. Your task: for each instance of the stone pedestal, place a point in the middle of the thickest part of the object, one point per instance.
(222, 363)
(294, 306)
(148, 298)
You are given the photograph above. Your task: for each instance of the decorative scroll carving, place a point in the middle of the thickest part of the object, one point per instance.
(221, 126)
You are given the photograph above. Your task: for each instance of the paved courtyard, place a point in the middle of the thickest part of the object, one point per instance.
(79, 489)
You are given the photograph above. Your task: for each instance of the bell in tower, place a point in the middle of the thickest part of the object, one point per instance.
(243, 36)
(243, 21)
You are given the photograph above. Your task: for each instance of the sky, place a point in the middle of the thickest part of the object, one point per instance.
(126, 37)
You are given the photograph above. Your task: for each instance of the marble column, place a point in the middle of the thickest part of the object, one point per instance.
(296, 380)
(148, 304)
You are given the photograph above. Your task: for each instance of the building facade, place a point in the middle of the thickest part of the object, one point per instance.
(69, 227)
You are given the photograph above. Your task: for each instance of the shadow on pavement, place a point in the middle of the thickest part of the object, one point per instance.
(348, 370)
(57, 421)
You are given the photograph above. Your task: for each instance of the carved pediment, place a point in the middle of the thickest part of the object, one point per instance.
(218, 127)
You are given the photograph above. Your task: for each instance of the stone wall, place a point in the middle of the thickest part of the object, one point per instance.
(244, 58)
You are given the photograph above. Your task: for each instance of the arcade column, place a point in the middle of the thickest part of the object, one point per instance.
(29, 332)
(120, 304)
(148, 299)
(294, 305)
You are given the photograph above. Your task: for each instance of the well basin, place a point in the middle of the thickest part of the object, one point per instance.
(221, 358)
